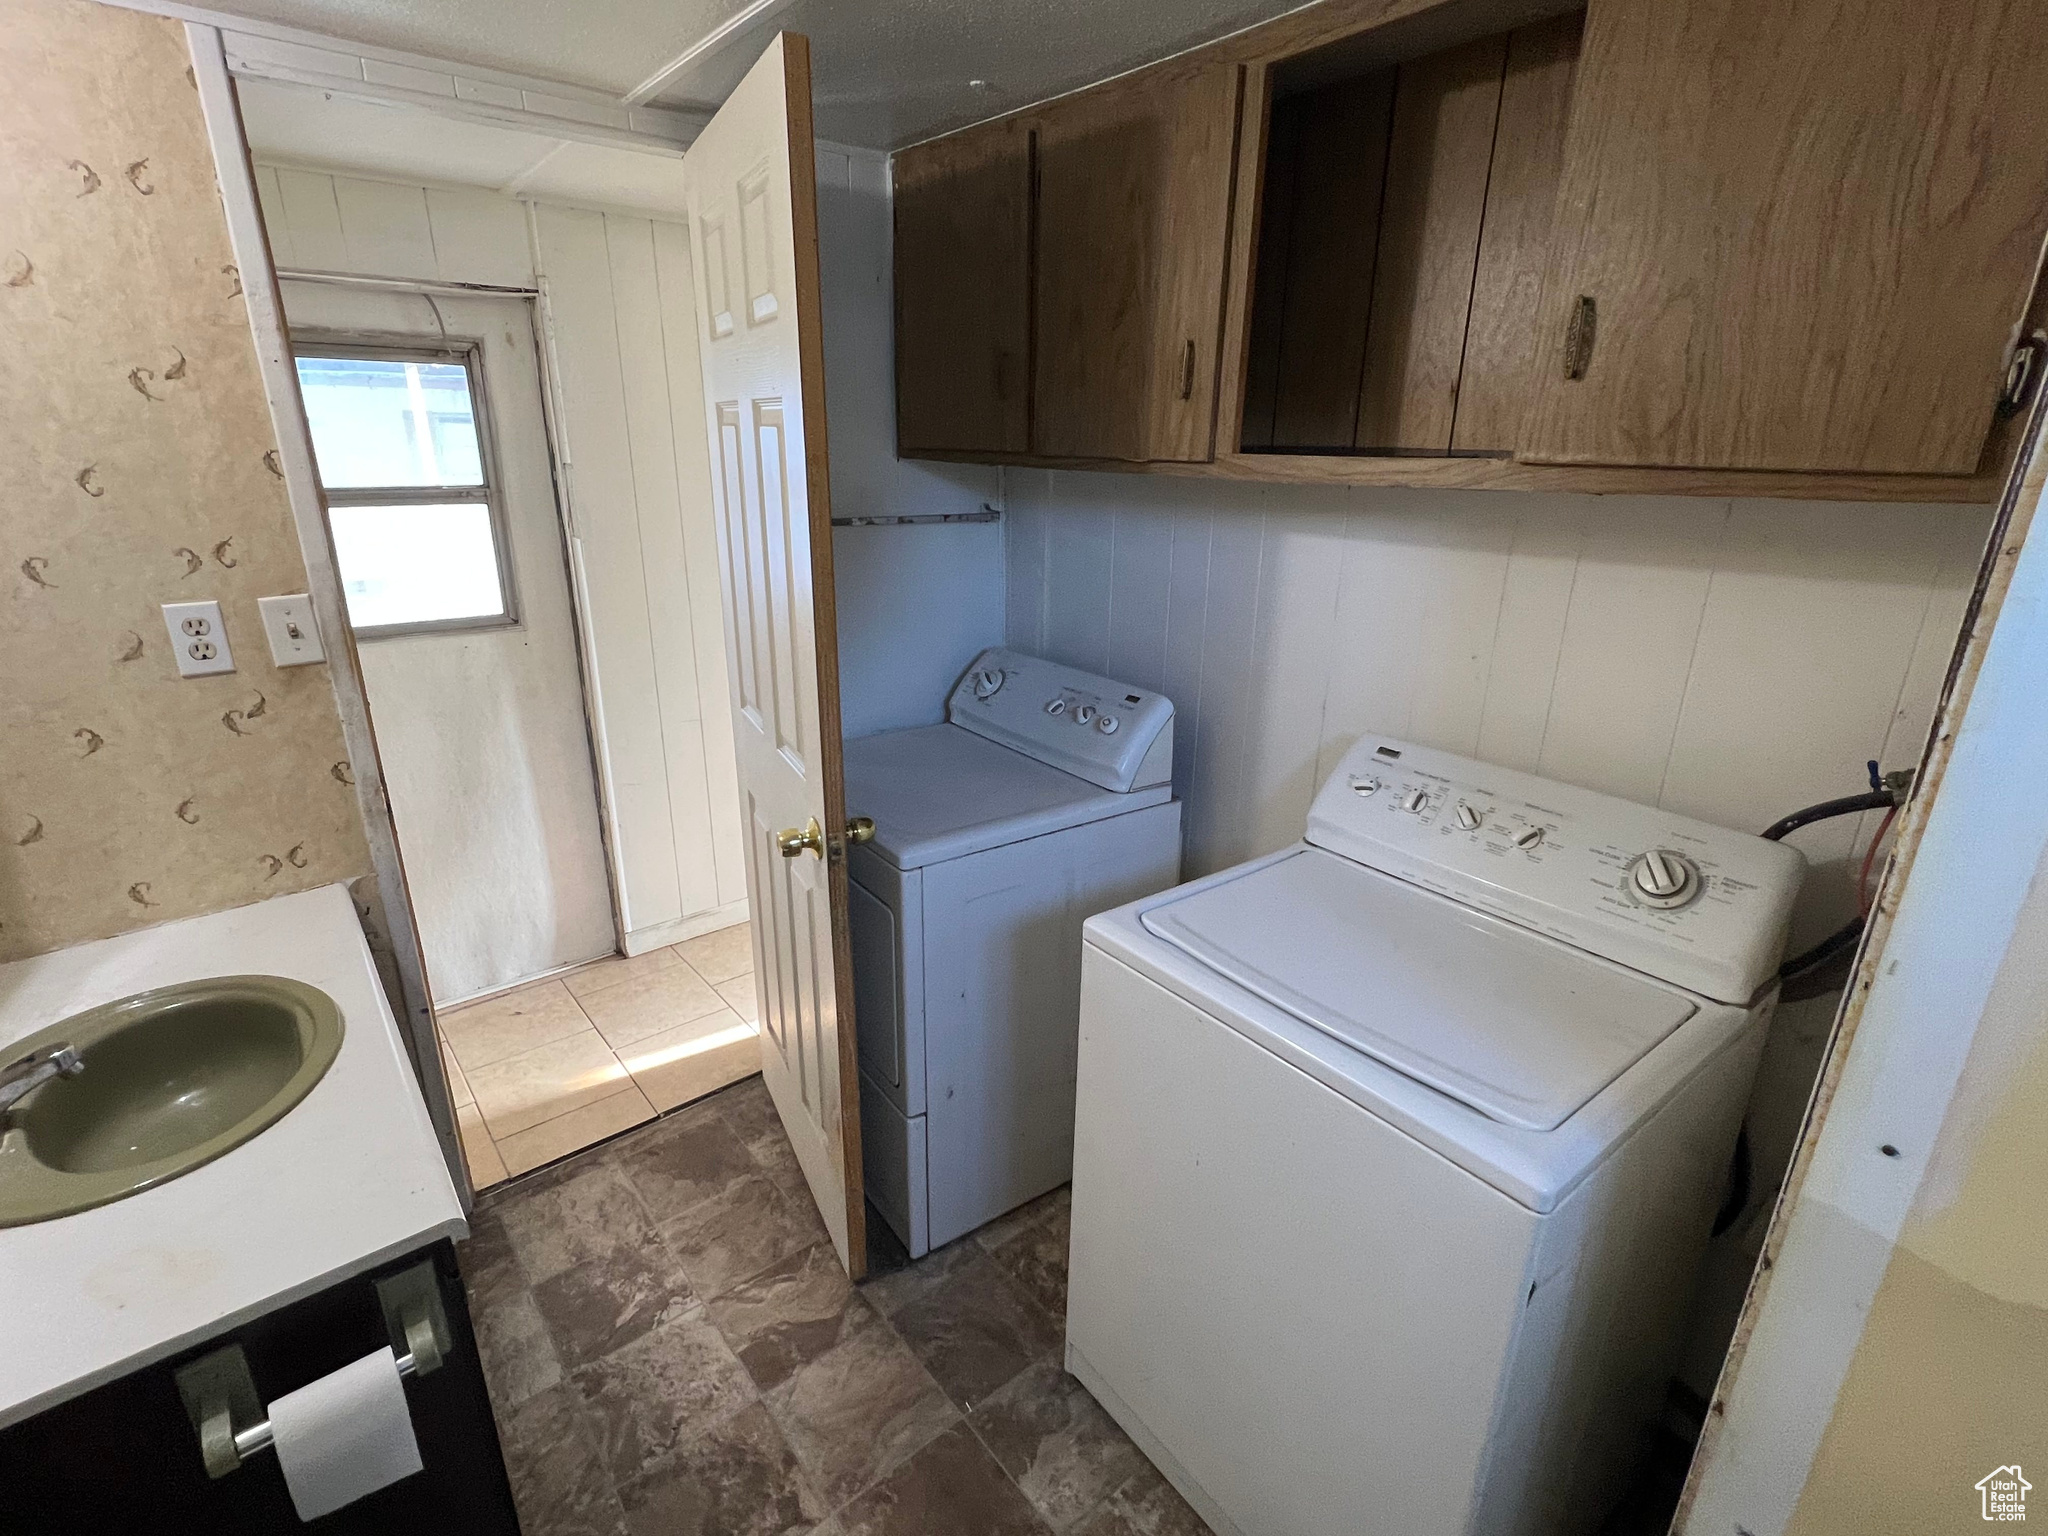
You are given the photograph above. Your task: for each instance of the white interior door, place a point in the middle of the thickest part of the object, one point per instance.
(752, 189)
(481, 729)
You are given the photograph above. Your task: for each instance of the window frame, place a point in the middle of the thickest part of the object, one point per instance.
(468, 352)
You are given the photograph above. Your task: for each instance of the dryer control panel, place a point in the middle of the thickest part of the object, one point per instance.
(1697, 905)
(1096, 729)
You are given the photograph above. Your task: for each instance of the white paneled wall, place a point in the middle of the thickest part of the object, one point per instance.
(916, 603)
(322, 223)
(1732, 660)
(621, 341)
(631, 430)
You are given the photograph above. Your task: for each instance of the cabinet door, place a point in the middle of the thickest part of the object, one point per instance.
(1792, 236)
(963, 292)
(124, 1458)
(1134, 183)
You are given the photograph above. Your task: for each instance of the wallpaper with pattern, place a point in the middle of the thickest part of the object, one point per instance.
(137, 467)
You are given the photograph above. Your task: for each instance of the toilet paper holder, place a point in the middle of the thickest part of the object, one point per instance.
(220, 1395)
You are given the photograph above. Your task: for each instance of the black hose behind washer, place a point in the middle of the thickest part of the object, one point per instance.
(1848, 805)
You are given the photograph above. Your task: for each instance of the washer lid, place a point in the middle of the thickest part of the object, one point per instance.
(1521, 1028)
(938, 792)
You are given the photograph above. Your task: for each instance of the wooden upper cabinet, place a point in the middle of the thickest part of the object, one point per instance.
(1134, 186)
(1405, 223)
(963, 292)
(1792, 236)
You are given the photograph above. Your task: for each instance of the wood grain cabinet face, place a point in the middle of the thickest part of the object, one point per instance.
(1806, 232)
(1406, 221)
(1134, 185)
(963, 292)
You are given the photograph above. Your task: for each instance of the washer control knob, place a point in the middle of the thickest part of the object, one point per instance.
(1662, 878)
(988, 682)
(1084, 713)
(1108, 725)
(1468, 818)
(1416, 800)
(1055, 706)
(1532, 837)
(1364, 784)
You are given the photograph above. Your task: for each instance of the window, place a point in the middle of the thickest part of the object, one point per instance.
(404, 457)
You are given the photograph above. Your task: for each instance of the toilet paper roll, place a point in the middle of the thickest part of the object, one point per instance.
(345, 1435)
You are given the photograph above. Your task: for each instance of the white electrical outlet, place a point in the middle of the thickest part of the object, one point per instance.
(294, 636)
(199, 638)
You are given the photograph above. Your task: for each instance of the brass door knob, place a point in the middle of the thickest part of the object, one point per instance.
(792, 842)
(860, 829)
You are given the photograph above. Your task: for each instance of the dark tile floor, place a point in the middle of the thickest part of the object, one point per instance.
(673, 1348)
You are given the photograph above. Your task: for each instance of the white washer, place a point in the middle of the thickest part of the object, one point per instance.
(1396, 1151)
(1047, 796)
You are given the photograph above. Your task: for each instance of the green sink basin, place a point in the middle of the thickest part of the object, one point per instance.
(169, 1079)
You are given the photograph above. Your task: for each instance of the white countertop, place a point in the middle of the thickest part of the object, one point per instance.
(350, 1177)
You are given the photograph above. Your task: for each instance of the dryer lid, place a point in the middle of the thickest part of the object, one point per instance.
(1521, 1028)
(938, 792)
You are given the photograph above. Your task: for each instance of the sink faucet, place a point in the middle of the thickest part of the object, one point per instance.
(23, 1076)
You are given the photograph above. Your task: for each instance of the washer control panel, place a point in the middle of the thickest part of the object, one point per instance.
(1694, 904)
(1093, 727)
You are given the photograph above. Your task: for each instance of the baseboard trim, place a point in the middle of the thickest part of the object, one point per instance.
(641, 940)
(513, 986)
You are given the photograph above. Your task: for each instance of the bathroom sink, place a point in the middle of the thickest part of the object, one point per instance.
(164, 1081)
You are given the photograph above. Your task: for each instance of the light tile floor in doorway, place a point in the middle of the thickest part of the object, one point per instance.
(673, 1350)
(557, 1065)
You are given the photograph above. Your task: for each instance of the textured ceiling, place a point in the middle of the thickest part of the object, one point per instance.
(607, 45)
(298, 125)
(883, 74)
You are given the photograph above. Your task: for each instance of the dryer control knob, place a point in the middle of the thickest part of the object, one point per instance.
(1085, 713)
(1468, 818)
(988, 683)
(1108, 725)
(1055, 706)
(1665, 879)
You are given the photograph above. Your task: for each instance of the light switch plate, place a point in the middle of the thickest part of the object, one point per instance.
(199, 638)
(294, 636)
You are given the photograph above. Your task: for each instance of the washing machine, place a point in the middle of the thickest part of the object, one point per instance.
(1396, 1151)
(1046, 796)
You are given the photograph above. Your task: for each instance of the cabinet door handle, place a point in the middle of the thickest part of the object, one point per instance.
(2022, 374)
(1187, 370)
(1578, 338)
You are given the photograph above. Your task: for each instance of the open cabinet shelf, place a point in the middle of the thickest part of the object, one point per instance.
(1679, 247)
(1404, 221)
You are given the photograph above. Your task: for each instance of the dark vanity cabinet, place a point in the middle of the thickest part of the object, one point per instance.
(125, 1458)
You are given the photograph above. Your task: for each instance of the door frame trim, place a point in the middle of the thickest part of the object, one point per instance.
(251, 244)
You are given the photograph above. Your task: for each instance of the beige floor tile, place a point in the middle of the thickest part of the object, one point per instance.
(650, 1003)
(615, 969)
(550, 1080)
(577, 1129)
(486, 1167)
(701, 1057)
(722, 955)
(511, 1024)
(739, 996)
(458, 1086)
